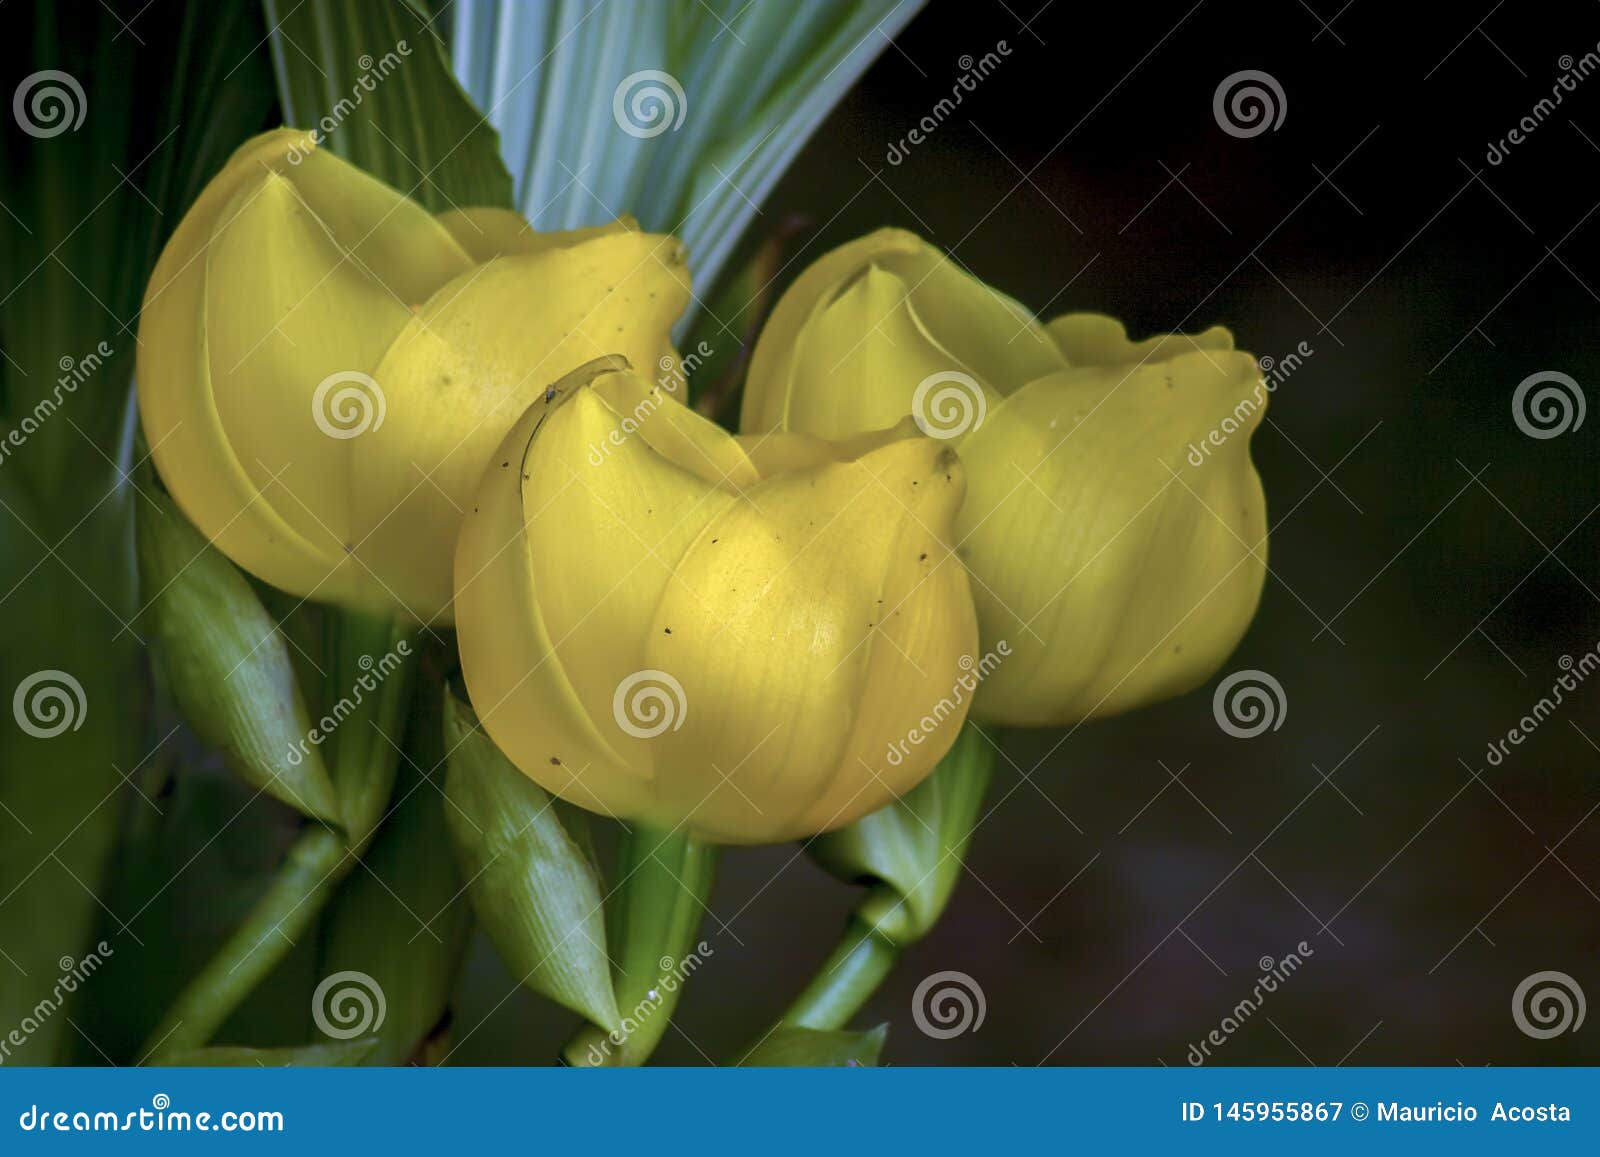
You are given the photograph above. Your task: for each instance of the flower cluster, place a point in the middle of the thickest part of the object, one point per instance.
(727, 632)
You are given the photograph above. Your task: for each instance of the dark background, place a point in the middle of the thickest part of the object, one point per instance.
(1431, 564)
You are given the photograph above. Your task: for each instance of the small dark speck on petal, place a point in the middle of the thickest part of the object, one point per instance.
(555, 761)
(922, 557)
(667, 630)
(506, 463)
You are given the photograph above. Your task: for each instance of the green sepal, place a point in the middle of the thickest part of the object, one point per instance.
(533, 887)
(653, 920)
(226, 666)
(911, 852)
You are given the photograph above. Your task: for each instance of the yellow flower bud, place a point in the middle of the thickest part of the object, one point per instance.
(661, 623)
(850, 342)
(1114, 527)
(324, 366)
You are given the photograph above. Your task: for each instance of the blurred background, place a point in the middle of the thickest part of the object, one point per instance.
(1432, 563)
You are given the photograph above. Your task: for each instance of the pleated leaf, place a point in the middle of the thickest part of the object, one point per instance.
(370, 76)
(682, 112)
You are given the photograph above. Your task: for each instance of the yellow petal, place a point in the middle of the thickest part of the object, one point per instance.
(393, 238)
(486, 233)
(807, 627)
(478, 353)
(1093, 339)
(839, 305)
(606, 536)
(518, 685)
(862, 361)
(187, 441)
(285, 312)
(1118, 568)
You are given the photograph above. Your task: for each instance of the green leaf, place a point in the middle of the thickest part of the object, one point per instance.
(752, 82)
(372, 664)
(532, 886)
(370, 76)
(788, 1046)
(404, 922)
(338, 1055)
(227, 666)
(85, 210)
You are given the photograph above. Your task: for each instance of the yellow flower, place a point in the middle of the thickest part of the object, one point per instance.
(324, 367)
(661, 622)
(1114, 528)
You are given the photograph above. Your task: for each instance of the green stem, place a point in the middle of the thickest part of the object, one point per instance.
(911, 853)
(364, 752)
(860, 962)
(653, 924)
